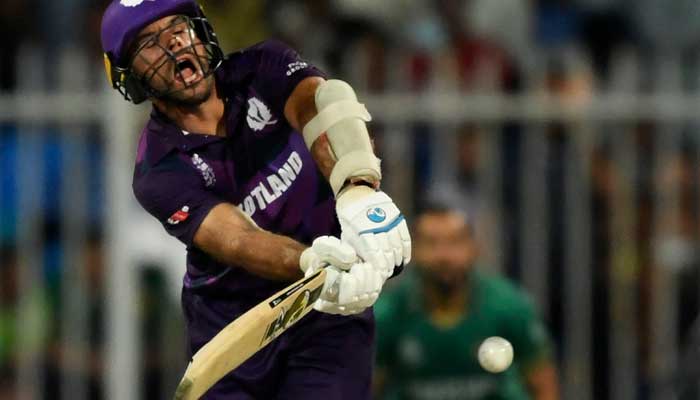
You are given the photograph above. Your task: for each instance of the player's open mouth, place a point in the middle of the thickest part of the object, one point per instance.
(186, 71)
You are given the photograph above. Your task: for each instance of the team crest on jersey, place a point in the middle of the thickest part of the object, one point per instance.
(259, 115)
(132, 3)
(204, 168)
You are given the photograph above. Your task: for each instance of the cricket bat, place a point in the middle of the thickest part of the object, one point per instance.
(247, 334)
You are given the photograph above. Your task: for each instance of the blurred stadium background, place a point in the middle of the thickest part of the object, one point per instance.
(570, 128)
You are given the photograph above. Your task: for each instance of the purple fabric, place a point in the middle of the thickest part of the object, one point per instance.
(262, 166)
(123, 20)
(323, 357)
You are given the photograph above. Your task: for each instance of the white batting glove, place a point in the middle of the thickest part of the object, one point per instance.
(350, 286)
(374, 226)
(350, 292)
(324, 251)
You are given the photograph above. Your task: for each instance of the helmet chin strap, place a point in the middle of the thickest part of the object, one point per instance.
(201, 61)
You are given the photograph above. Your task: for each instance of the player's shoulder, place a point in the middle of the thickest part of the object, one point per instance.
(499, 290)
(249, 57)
(267, 46)
(241, 67)
(150, 176)
(156, 140)
(157, 161)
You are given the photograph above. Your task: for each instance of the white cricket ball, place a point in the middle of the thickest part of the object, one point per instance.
(495, 354)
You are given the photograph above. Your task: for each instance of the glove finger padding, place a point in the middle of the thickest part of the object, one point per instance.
(367, 250)
(334, 252)
(328, 307)
(332, 308)
(395, 244)
(327, 250)
(349, 287)
(350, 292)
(370, 251)
(406, 241)
(369, 282)
(387, 250)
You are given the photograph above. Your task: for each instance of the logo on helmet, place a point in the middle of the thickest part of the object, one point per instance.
(132, 3)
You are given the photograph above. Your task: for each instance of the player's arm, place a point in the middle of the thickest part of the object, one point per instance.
(172, 191)
(300, 107)
(333, 123)
(541, 380)
(533, 347)
(299, 110)
(229, 236)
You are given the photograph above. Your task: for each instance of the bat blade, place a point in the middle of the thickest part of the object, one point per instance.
(247, 334)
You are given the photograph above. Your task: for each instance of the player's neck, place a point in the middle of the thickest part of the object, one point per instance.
(455, 299)
(205, 118)
(446, 307)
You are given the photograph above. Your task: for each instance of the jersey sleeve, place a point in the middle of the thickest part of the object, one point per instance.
(527, 332)
(172, 192)
(279, 71)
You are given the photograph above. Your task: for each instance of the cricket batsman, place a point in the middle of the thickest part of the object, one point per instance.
(265, 170)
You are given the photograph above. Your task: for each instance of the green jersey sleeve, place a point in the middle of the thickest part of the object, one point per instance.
(527, 331)
(387, 314)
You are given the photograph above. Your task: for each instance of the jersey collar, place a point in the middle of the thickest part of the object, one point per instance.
(164, 137)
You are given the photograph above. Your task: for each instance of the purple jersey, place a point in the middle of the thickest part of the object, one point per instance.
(262, 166)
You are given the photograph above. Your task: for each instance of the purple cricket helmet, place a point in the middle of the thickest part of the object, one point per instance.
(124, 19)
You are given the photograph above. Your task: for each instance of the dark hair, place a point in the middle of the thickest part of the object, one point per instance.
(442, 208)
(434, 207)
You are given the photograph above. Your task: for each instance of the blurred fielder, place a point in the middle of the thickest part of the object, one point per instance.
(222, 165)
(430, 327)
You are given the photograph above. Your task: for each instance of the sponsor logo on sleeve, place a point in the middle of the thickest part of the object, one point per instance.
(179, 216)
(296, 66)
(259, 115)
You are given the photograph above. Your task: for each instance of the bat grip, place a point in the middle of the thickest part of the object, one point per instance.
(333, 287)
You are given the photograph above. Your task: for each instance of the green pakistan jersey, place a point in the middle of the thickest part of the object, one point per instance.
(423, 361)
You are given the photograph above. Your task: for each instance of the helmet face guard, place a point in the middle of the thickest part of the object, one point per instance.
(170, 61)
